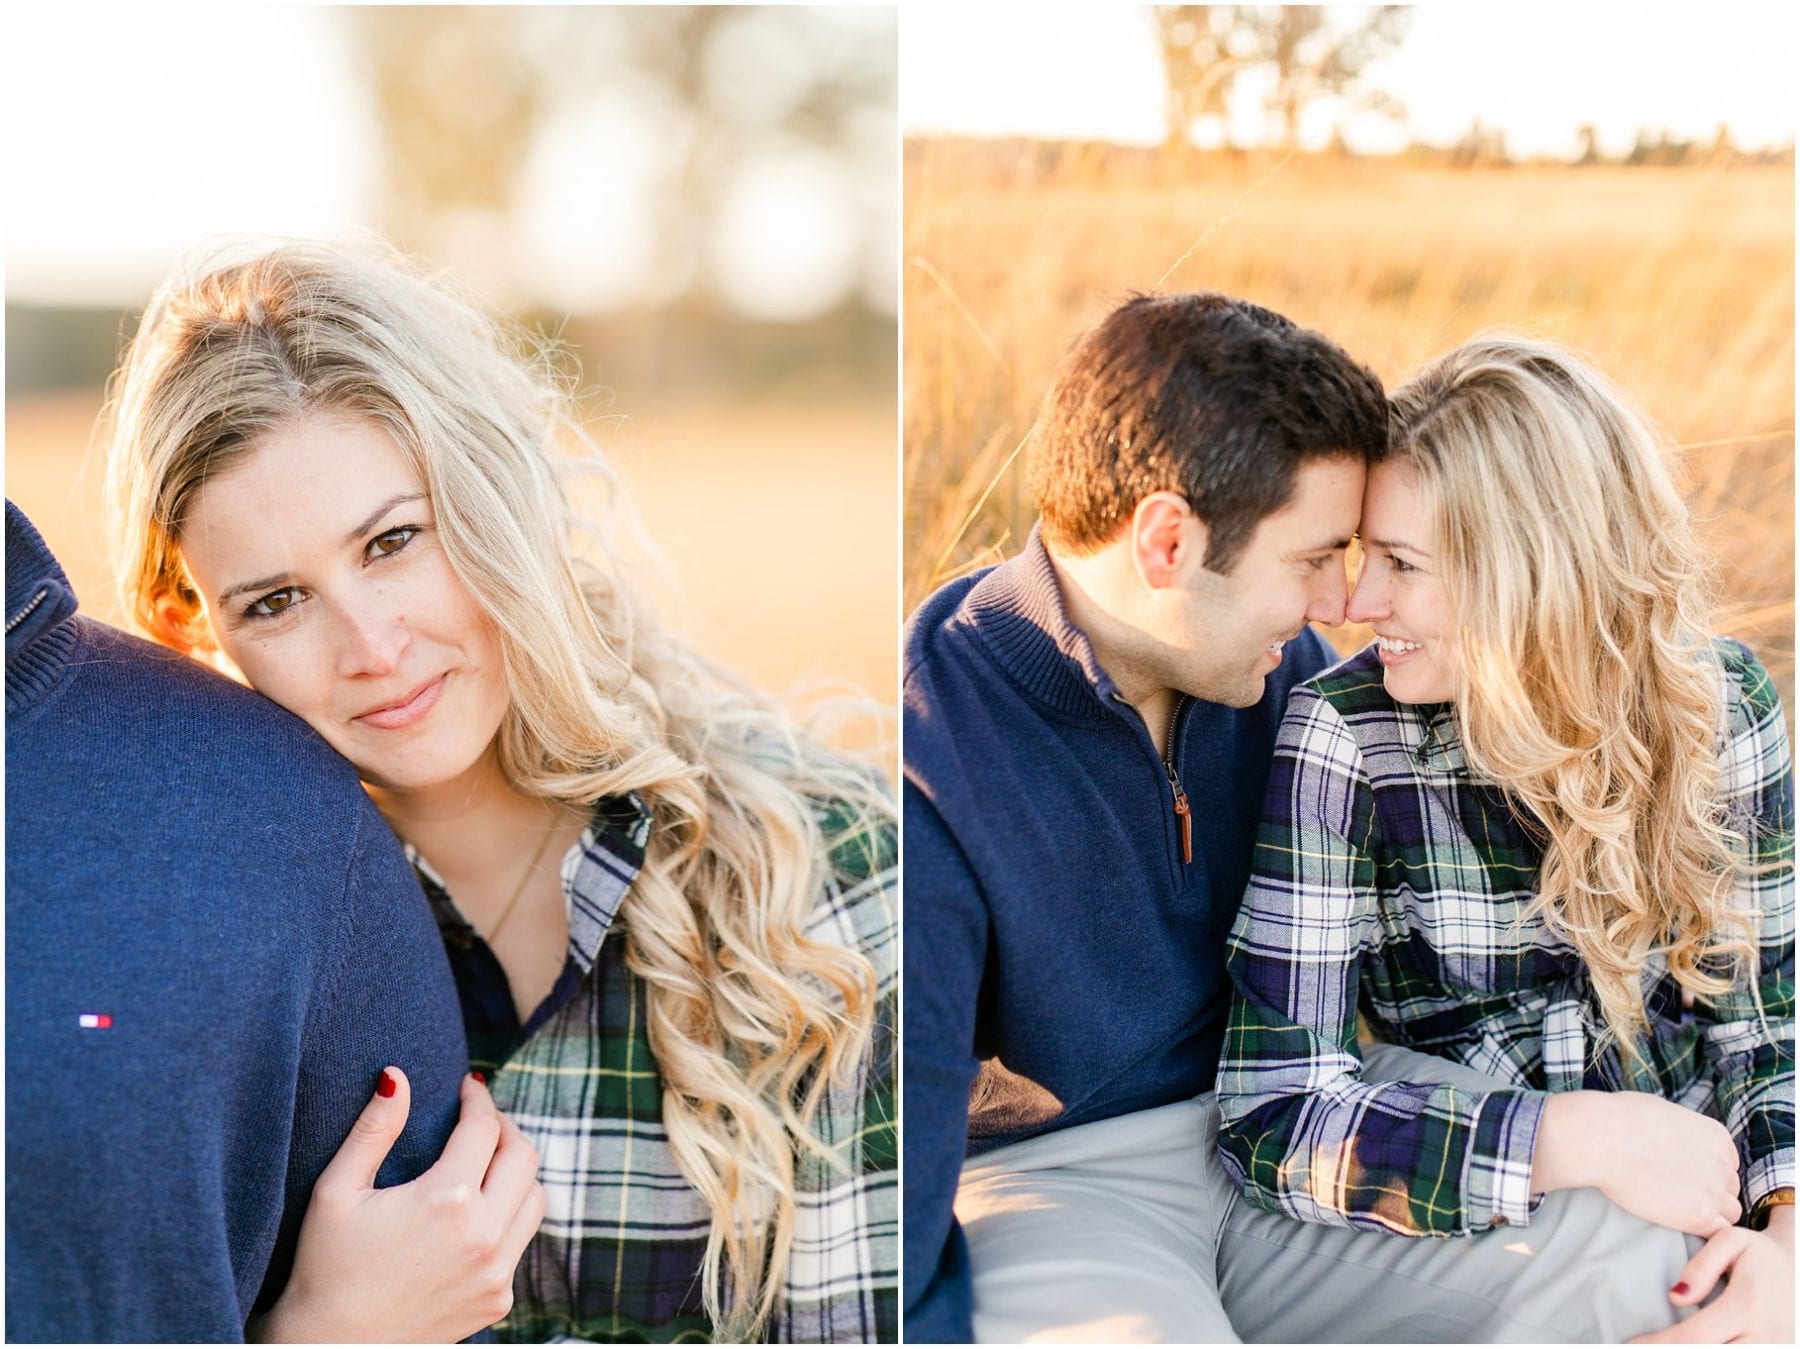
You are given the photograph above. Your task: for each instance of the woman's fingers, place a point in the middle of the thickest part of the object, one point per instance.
(352, 1169)
(1711, 1261)
(1717, 1324)
(513, 1168)
(523, 1225)
(472, 1142)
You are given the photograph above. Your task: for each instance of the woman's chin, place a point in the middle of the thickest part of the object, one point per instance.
(1405, 684)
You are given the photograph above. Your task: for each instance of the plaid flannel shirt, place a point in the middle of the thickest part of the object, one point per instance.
(618, 1256)
(1384, 872)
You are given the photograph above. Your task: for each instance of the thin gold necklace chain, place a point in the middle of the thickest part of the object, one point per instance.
(493, 933)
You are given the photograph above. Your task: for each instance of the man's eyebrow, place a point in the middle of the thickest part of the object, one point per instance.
(1338, 546)
(1397, 546)
(374, 516)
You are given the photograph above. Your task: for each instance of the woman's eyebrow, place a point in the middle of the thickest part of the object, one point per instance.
(374, 516)
(262, 583)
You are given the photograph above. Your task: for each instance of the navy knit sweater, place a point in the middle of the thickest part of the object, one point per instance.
(1063, 964)
(213, 945)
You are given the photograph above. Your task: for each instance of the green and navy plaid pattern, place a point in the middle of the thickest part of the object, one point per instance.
(618, 1256)
(1387, 877)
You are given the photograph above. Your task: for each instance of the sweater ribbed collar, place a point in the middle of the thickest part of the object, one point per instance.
(39, 604)
(1018, 614)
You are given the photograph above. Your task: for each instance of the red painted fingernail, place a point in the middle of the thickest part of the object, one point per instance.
(1680, 1289)
(388, 1085)
(480, 1077)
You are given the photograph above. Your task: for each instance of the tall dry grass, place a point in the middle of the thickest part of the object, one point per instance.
(1679, 282)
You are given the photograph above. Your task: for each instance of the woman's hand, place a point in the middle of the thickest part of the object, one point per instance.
(431, 1260)
(1757, 1306)
(1667, 1164)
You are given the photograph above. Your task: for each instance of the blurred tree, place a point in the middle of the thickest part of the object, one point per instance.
(464, 93)
(1658, 148)
(1589, 138)
(1301, 53)
(1721, 151)
(1480, 147)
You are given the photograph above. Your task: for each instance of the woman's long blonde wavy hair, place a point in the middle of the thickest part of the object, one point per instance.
(1588, 688)
(749, 1020)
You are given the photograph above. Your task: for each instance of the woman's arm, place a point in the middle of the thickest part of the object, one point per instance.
(1748, 1035)
(430, 1261)
(842, 1278)
(1302, 1133)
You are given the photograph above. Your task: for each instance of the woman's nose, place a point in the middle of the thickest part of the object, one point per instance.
(372, 643)
(1368, 601)
(1325, 602)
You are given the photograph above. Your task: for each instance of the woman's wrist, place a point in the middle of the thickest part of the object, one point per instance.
(1780, 1225)
(1565, 1156)
(285, 1323)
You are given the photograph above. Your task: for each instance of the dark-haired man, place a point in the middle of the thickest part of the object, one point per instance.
(214, 947)
(1088, 731)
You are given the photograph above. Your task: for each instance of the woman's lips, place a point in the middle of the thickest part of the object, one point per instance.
(398, 716)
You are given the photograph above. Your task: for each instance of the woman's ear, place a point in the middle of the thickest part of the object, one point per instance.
(181, 627)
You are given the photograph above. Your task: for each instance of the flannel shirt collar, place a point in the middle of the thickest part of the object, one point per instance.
(1429, 734)
(1439, 745)
(597, 873)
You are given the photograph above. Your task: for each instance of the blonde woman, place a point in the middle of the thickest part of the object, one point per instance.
(670, 916)
(1542, 829)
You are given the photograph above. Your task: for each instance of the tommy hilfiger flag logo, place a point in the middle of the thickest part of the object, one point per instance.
(96, 1021)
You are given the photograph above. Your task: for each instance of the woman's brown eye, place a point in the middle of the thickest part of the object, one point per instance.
(272, 603)
(386, 545)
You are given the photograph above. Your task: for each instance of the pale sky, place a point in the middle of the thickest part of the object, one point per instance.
(135, 134)
(1537, 72)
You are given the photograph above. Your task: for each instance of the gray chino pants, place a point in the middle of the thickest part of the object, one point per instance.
(1129, 1231)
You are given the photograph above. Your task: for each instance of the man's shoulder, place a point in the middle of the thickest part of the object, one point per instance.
(934, 633)
(149, 700)
(949, 684)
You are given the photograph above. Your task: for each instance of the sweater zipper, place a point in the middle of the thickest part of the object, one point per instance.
(25, 613)
(1184, 817)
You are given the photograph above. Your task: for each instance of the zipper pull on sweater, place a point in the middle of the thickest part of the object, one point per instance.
(1185, 818)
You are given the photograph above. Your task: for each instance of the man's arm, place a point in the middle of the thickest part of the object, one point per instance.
(946, 948)
(385, 996)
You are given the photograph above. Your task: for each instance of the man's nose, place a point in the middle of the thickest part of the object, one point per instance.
(372, 642)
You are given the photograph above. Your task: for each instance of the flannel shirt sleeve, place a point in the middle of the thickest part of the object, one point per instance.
(1302, 1134)
(842, 1282)
(1748, 1035)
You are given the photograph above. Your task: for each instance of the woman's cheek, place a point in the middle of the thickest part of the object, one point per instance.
(278, 672)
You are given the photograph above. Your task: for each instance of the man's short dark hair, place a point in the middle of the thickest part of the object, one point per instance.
(1214, 398)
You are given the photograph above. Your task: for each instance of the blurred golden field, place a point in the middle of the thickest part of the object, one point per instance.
(1678, 281)
(778, 523)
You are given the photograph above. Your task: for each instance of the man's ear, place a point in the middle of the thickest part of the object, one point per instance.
(1166, 537)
